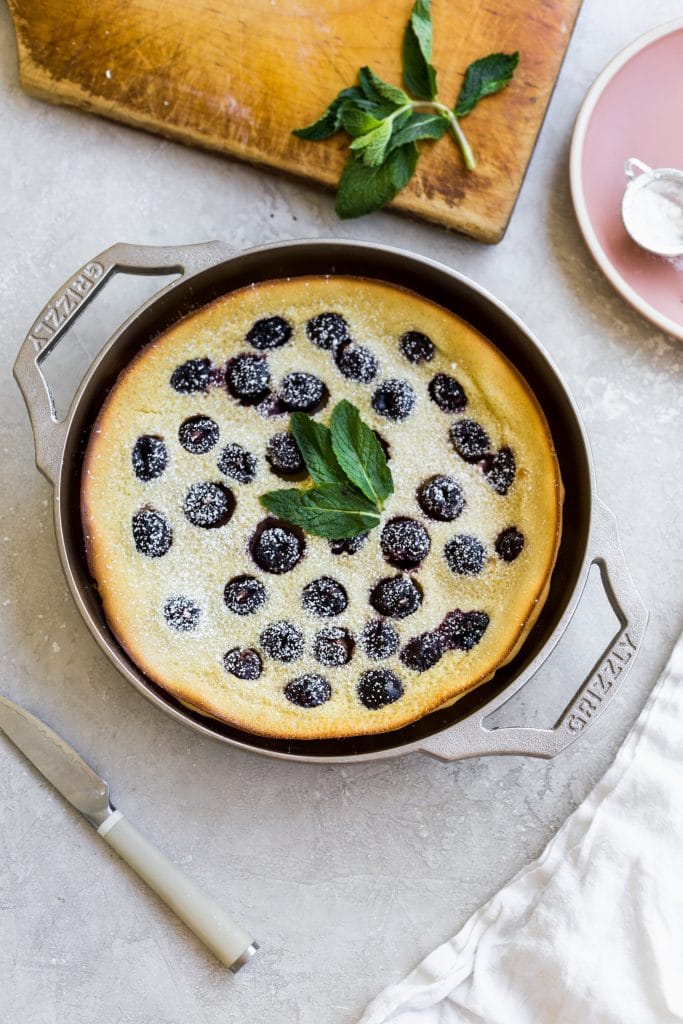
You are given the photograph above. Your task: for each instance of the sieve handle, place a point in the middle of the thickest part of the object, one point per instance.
(633, 166)
(67, 304)
(471, 738)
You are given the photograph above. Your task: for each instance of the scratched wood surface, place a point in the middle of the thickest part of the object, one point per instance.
(237, 77)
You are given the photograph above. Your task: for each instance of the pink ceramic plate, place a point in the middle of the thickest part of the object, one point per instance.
(632, 109)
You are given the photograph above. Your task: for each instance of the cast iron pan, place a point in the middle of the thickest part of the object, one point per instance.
(212, 269)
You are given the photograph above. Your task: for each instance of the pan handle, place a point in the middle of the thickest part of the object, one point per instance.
(67, 304)
(471, 738)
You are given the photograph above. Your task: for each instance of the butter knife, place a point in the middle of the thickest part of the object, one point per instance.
(89, 794)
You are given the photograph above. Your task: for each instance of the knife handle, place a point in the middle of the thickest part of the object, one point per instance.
(224, 938)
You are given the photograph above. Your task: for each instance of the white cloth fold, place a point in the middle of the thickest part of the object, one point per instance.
(591, 932)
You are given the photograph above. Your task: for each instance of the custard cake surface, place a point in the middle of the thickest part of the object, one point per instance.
(279, 632)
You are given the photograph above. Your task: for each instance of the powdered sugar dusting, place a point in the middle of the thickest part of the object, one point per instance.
(201, 561)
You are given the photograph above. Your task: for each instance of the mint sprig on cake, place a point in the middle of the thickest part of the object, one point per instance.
(352, 479)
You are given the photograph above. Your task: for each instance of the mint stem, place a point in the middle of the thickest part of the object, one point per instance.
(453, 123)
(400, 110)
(456, 130)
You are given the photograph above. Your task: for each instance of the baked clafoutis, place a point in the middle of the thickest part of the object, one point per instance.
(248, 617)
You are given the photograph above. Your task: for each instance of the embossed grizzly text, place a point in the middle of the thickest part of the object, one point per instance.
(600, 686)
(65, 304)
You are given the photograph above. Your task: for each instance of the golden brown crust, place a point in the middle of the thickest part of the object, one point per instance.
(133, 588)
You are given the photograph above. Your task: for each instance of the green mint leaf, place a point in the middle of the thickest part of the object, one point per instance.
(372, 146)
(418, 73)
(421, 24)
(315, 443)
(378, 108)
(330, 122)
(376, 90)
(401, 164)
(484, 77)
(357, 121)
(366, 189)
(327, 511)
(360, 454)
(367, 88)
(419, 126)
(363, 189)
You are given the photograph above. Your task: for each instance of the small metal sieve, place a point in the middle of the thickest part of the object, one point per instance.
(652, 207)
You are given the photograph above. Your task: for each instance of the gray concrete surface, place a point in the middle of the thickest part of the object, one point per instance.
(347, 875)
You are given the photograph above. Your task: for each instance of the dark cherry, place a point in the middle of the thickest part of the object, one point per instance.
(333, 646)
(422, 652)
(248, 378)
(308, 691)
(394, 399)
(270, 332)
(283, 455)
(509, 544)
(182, 613)
(302, 392)
(151, 532)
(348, 545)
(416, 347)
(461, 631)
(327, 330)
(404, 542)
(324, 598)
(277, 547)
(465, 555)
(243, 662)
(149, 457)
(282, 641)
(441, 497)
(192, 376)
(379, 639)
(447, 393)
(237, 463)
(396, 597)
(198, 434)
(209, 505)
(500, 470)
(244, 595)
(470, 440)
(379, 687)
(356, 362)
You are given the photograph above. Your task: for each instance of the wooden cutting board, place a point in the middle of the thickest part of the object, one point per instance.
(238, 76)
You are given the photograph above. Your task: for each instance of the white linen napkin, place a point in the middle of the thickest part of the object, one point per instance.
(591, 932)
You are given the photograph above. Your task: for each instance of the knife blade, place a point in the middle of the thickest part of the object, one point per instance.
(88, 793)
(57, 761)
